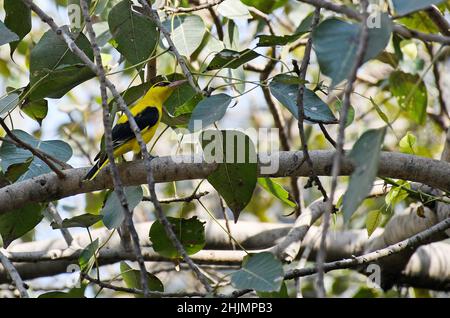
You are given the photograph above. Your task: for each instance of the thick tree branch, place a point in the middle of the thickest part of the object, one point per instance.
(49, 187)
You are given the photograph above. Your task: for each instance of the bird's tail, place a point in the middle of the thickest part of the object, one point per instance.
(99, 165)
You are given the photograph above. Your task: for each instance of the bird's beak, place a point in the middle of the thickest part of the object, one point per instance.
(177, 83)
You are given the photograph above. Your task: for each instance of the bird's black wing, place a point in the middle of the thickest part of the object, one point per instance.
(122, 133)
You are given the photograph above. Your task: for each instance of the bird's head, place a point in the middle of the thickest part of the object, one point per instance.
(162, 90)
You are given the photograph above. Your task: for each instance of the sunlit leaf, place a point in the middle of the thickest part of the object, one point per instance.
(364, 155)
(136, 35)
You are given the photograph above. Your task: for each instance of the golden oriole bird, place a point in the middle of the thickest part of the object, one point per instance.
(147, 113)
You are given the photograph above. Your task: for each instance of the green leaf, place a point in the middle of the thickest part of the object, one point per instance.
(73, 293)
(186, 32)
(231, 59)
(11, 154)
(336, 43)
(233, 9)
(380, 113)
(419, 21)
(271, 40)
(403, 7)
(209, 110)
(136, 35)
(276, 190)
(262, 272)
(236, 173)
(112, 210)
(285, 91)
(14, 224)
(364, 155)
(8, 103)
(17, 19)
(407, 143)
(282, 293)
(16, 170)
(54, 69)
(6, 35)
(84, 220)
(132, 279)
(411, 94)
(373, 220)
(397, 193)
(350, 114)
(86, 259)
(266, 6)
(36, 110)
(190, 233)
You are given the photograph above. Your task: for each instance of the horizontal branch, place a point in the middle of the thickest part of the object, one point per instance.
(49, 187)
(429, 265)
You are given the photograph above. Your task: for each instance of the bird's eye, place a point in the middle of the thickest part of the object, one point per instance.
(162, 84)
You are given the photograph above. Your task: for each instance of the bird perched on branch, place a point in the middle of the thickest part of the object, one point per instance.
(147, 113)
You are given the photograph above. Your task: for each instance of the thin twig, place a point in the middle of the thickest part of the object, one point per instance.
(107, 123)
(189, 198)
(359, 58)
(227, 222)
(327, 135)
(300, 104)
(153, 15)
(280, 125)
(138, 291)
(58, 220)
(150, 180)
(9, 267)
(207, 5)
(410, 243)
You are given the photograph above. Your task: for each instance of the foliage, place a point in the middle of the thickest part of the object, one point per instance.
(240, 55)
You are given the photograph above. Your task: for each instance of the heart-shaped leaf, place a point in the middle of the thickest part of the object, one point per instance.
(190, 233)
(54, 69)
(236, 173)
(336, 43)
(132, 279)
(136, 35)
(262, 272)
(186, 32)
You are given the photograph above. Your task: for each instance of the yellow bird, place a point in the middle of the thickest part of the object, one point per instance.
(147, 113)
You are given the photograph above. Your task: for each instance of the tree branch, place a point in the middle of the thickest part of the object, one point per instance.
(48, 187)
(14, 275)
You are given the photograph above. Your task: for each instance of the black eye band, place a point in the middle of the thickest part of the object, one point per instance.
(162, 84)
